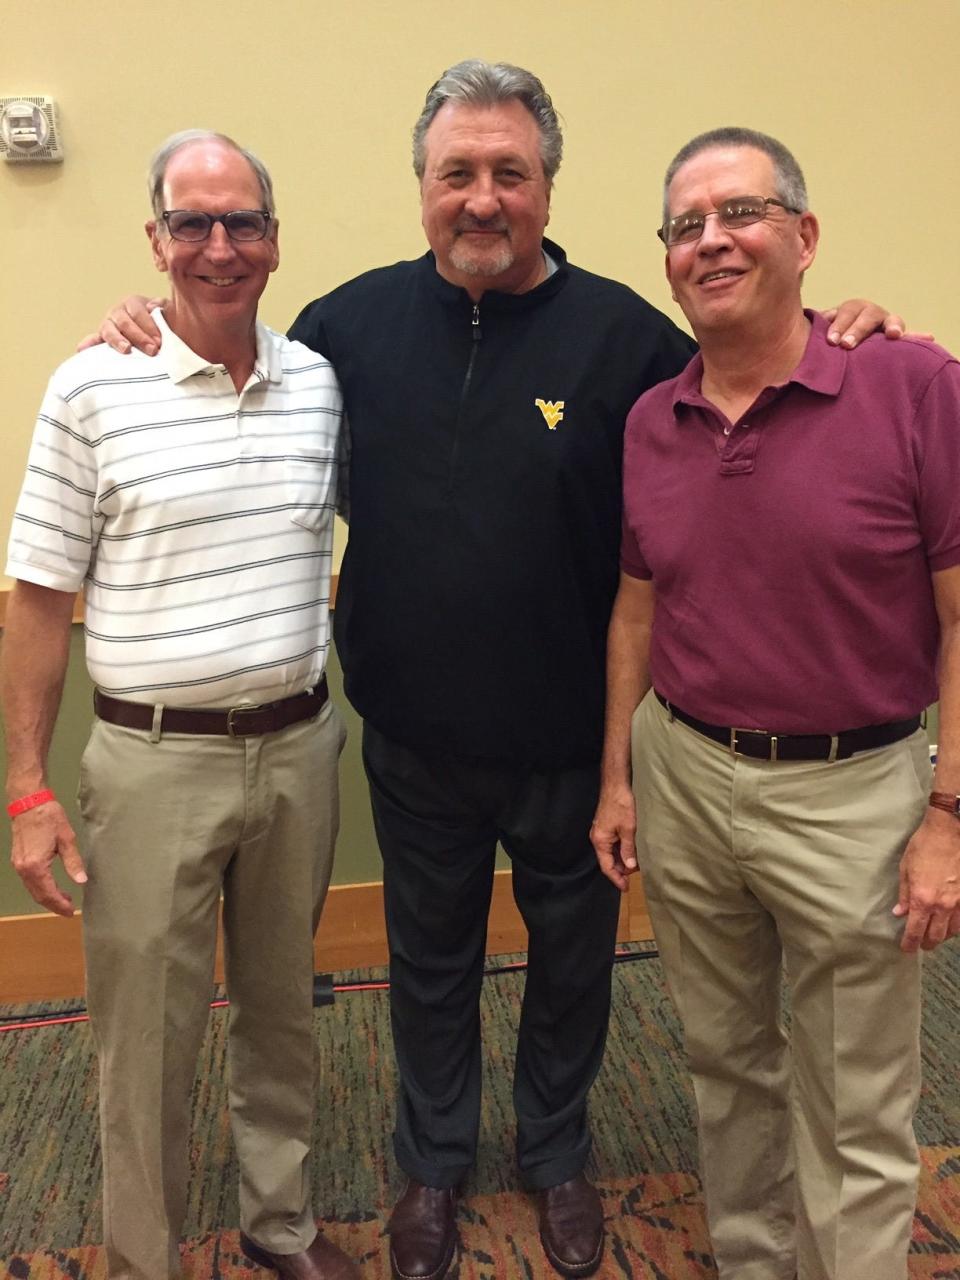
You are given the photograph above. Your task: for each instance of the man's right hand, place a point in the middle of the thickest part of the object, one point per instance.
(127, 325)
(39, 837)
(613, 835)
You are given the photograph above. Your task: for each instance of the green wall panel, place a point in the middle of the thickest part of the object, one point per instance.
(358, 858)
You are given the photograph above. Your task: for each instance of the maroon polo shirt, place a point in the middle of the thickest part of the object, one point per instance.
(792, 551)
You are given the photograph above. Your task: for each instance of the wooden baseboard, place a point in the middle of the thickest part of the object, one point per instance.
(41, 956)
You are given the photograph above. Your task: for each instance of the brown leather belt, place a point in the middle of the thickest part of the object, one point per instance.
(235, 722)
(760, 745)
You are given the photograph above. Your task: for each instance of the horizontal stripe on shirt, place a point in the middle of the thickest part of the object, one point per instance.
(250, 471)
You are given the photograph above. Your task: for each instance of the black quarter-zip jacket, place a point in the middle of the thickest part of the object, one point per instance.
(485, 500)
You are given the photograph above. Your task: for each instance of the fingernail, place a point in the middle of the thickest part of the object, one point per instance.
(833, 336)
(151, 348)
(848, 340)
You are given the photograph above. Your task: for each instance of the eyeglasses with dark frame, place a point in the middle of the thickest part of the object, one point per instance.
(193, 225)
(740, 211)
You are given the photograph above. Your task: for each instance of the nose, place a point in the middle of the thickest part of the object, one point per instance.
(219, 247)
(715, 235)
(482, 200)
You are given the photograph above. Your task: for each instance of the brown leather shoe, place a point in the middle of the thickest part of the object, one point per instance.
(423, 1232)
(322, 1261)
(571, 1227)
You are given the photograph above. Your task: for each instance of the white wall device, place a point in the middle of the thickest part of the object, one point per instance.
(30, 130)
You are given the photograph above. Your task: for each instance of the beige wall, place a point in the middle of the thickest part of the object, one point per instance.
(867, 92)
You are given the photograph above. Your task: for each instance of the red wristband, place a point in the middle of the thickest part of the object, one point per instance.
(16, 807)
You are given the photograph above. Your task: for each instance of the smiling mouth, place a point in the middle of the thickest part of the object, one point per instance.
(481, 231)
(725, 273)
(221, 282)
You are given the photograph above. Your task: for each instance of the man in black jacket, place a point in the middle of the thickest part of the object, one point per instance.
(486, 386)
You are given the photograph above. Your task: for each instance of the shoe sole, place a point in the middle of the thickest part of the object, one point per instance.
(438, 1274)
(573, 1270)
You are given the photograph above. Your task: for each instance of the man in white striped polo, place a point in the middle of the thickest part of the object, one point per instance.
(191, 496)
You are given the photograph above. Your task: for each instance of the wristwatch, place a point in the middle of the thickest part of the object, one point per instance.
(945, 800)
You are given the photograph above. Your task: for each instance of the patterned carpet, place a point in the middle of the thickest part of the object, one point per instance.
(644, 1155)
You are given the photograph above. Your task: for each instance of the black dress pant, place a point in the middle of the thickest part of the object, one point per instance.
(438, 820)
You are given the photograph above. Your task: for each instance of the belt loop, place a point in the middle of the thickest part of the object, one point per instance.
(156, 731)
(834, 745)
(669, 710)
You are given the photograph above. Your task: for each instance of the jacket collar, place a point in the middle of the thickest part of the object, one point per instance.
(493, 299)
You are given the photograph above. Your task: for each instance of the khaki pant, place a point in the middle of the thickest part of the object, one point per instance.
(807, 1151)
(171, 824)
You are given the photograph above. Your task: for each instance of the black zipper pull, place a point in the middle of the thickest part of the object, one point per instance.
(477, 334)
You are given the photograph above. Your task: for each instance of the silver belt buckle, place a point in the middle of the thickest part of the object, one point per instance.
(763, 733)
(232, 730)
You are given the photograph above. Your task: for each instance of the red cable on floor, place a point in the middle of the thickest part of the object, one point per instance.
(64, 1019)
(46, 1022)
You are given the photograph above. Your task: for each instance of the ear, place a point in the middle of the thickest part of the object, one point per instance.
(156, 244)
(809, 232)
(274, 238)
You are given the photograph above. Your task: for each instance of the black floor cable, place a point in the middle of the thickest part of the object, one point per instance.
(324, 992)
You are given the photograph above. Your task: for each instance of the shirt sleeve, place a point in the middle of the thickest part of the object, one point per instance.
(937, 441)
(310, 329)
(631, 561)
(55, 525)
(344, 449)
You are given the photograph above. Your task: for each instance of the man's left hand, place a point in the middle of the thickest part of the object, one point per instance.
(930, 883)
(857, 318)
(613, 834)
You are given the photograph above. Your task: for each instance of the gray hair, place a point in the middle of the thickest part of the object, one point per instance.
(177, 141)
(789, 183)
(487, 84)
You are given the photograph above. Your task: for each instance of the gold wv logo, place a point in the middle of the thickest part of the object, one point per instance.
(552, 411)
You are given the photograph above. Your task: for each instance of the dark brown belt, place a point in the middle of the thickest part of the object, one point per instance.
(235, 722)
(760, 745)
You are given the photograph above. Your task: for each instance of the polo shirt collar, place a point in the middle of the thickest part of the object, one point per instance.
(181, 362)
(821, 369)
(823, 366)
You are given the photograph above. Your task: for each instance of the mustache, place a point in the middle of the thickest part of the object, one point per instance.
(480, 224)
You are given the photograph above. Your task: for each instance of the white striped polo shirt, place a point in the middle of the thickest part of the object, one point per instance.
(199, 521)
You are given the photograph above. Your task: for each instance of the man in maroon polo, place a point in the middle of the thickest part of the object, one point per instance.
(790, 578)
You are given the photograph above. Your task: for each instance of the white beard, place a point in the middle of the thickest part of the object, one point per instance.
(479, 262)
